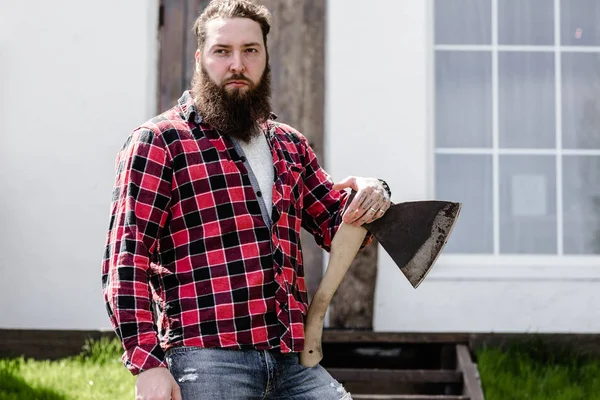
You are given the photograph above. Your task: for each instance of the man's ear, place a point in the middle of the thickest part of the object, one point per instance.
(198, 57)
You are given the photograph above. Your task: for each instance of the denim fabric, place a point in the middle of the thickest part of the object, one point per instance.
(249, 375)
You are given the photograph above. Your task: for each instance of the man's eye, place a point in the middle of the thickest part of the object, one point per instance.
(220, 51)
(251, 50)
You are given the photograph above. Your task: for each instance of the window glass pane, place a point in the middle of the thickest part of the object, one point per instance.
(526, 100)
(581, 204)
(467, 179)
(581, 100)
(528, 22)
(463, 21)
(463, 99)
(527, 204)
(580, 22)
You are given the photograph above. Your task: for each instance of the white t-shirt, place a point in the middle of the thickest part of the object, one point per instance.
(259, 156)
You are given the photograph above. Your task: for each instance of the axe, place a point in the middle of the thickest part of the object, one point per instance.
(412, 233)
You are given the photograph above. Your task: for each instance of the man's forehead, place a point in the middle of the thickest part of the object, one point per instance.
(232, 31)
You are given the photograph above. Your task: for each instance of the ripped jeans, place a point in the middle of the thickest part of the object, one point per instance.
(249, 375)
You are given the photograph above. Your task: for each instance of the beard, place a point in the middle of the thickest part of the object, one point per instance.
(235, 112)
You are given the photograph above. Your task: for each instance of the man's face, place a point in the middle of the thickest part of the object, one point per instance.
(234, 55)
(232, 82)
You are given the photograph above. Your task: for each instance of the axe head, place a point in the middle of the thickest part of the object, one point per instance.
(415, 233)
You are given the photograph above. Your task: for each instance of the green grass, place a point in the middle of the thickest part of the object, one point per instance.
(97, 373)
(529, 371)
(534, 371)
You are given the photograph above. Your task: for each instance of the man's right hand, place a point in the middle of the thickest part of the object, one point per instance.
(157, 384)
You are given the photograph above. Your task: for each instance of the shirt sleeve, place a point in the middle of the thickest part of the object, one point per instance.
(323, 206)
(139, 210)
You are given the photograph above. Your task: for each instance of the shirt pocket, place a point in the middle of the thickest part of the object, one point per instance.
(295, 184)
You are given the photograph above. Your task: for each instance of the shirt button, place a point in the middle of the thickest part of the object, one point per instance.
(259, 193)
(243, 159)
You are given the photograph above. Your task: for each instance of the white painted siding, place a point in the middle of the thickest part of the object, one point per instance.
(379, 122)
(76, 77)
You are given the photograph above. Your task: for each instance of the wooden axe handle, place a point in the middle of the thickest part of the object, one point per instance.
(344, 246)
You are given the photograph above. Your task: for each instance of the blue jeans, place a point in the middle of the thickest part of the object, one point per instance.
(249, 374)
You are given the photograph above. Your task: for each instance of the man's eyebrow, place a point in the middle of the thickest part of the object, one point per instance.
(228, 46)
(253, 44)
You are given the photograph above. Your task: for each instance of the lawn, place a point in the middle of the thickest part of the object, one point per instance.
(534, 371)
(528, 372)
(96, 374)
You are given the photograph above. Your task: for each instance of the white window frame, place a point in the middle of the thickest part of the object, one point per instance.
(498, 266)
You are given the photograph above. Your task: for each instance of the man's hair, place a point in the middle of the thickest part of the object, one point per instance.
(232, 9)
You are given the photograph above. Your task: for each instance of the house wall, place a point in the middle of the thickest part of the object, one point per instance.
(76, 77)
(379, 119)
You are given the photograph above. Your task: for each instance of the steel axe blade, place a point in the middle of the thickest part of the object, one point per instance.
(415, 233)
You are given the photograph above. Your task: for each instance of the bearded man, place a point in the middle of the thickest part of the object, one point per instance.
(208, 204)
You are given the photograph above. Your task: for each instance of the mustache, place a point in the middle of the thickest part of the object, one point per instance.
(237, 77)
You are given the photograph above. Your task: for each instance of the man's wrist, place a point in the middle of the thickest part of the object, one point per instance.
(142, 357)
(386, 187)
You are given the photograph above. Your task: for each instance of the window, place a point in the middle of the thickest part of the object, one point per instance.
(517, 124)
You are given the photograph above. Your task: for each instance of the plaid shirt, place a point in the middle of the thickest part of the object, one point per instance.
(187, 234)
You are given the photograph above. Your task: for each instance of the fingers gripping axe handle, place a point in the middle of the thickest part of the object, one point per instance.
(344, 246)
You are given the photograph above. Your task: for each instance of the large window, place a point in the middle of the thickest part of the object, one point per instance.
(517, 124)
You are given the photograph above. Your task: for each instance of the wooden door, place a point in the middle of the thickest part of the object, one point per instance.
(297, 55)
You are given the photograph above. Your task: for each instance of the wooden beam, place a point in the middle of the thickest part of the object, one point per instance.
(396, 375)
(171, 70)
(297, 56)
(470, 375)
(46, 344)
(193, 11)
(352, 336)
(353, 304)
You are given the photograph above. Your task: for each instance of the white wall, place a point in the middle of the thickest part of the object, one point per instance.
(378, 120)
(376, 93)
(75, 78)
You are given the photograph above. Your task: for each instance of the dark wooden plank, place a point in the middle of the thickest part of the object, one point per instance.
(298, 75)
(396, 375)
(297, 57)
(407, 397)
(313, 113)
(193, 10)
(45, 344)
(313, 59)
(357, 336)
(470, 375)
(448, 361)
(353, 305)
(171, 71)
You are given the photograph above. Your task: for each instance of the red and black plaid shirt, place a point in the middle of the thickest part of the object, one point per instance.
(186, 232)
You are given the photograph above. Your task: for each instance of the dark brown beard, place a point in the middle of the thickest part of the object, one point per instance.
(234, 113)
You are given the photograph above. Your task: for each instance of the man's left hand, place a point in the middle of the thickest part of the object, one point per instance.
(370, 202)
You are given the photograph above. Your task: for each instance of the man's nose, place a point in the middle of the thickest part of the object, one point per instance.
(237, 64)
